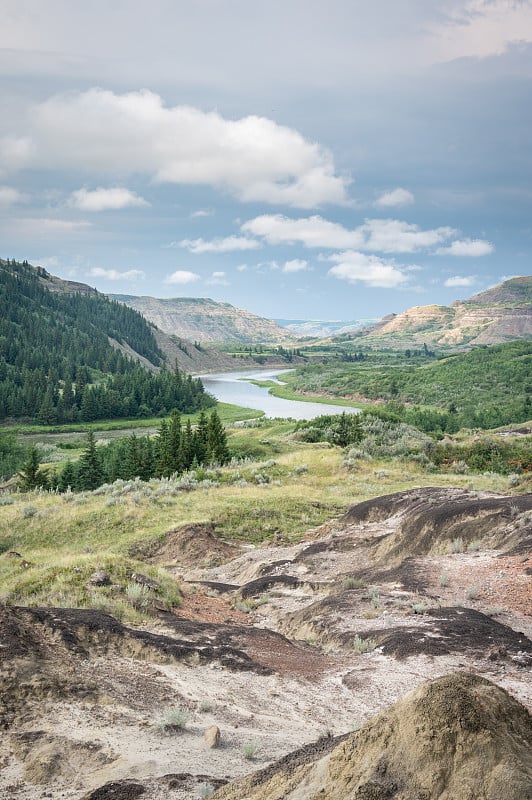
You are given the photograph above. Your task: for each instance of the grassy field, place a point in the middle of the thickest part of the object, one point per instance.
(61, 539)
(287, 391)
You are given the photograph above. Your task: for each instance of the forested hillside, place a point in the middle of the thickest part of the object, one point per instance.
(487, 387)
(57, 363)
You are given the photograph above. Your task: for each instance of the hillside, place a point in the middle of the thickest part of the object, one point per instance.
(200, 319)
(67, 353)
(484, 387)
(498, 315)
(461, 734)
(140, 624)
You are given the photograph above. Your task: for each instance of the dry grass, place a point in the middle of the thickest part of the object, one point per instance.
(65, 538)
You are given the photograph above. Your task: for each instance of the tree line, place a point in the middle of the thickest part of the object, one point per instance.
(175, 449)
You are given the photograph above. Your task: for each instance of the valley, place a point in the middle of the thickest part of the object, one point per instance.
(246, 600)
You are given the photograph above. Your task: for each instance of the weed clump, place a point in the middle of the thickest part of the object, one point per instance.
(361, 645)
(172, 720)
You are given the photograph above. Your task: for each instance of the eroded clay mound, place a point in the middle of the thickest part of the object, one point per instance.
(431, 518)
(192, 546)
(459, 737)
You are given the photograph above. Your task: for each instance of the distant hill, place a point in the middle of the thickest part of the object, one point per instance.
(68, 353)
(202, 320)
(500, 314)
(323, 327)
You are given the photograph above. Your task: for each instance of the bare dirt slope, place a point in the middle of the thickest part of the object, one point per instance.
(459, 737)
(283, 647)
(498, 315)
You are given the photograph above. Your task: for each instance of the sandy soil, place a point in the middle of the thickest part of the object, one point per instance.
(263, 648)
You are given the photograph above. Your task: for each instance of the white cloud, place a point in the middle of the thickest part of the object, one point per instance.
(312, 231)
(395, 236)
(15, 152)
(482, 28)
(225, 245)
(457, 280)
(296, 265)
(201, 212)
(115, 275)
(10, 196)
(375, 235)
(43, 226)
(105, 199)
(253, 157)
(373, 271)
(473, 248)
(218, 279)
(242, 267)
(395, 197)
(182, 277)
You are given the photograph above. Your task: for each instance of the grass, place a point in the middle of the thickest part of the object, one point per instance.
(67, 537)
(227, 412)
(361, 646)
(286, 391)
(172, 720)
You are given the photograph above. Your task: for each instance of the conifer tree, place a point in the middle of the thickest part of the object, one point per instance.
(175, 442)
(163, 465)
(31, 475)
(90, 472)
(217, 450)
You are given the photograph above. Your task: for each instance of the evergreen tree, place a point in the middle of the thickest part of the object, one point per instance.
(90, 472)
(163, 464)
(67, 477)
(175, 448)
(31, 476)
(217, 450)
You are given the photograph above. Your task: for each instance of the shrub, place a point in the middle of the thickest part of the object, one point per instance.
(29, 511)
(457, 545)
(172, 720)
(205, 790)
(138, 595)
(353, 583)
(249, 750)
(361, 646)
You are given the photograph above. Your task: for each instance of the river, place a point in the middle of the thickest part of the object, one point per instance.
(235, 388)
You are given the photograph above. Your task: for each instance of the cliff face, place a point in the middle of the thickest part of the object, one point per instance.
(498, 315)
(204, 320)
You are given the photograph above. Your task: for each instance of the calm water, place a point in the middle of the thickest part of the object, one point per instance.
(234, 387)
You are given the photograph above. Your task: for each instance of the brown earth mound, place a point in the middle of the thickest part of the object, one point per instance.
(432, 518)
(459, 737)
(192, 546)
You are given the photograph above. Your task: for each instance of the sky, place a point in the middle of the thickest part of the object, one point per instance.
(301, 159)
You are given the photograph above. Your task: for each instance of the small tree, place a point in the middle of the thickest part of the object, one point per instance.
(90, 472)
(31, 475)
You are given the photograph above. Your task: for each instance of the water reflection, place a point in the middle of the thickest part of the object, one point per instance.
(234, 387)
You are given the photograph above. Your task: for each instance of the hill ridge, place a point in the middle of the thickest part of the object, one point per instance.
(500, 314)
(205, 320)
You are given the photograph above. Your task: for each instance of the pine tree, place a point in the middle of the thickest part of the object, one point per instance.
(163, 464)
(90, 472)
(217, 450)
(31, 475)
(175, 447)
(67, 477)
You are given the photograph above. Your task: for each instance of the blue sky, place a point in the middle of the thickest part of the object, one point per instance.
(302, 159)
